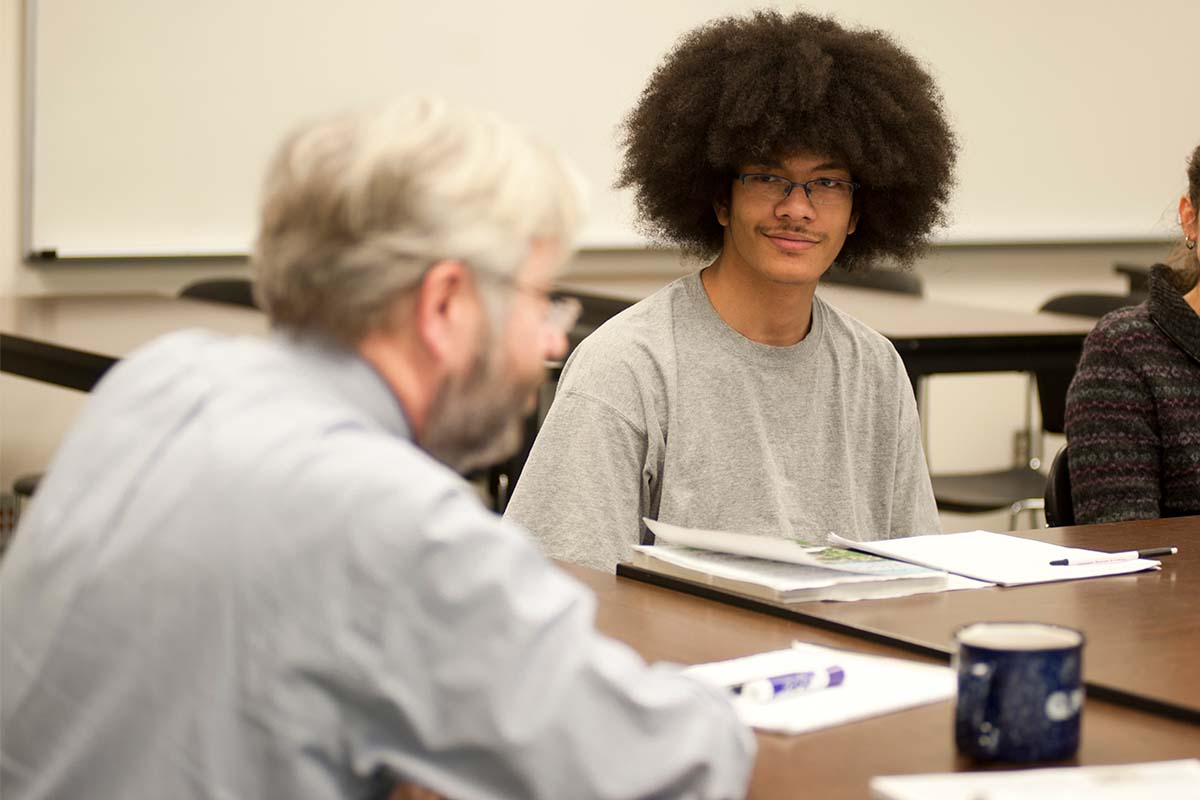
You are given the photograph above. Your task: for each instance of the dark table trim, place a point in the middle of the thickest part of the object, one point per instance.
(1026, 353)
(63, 366)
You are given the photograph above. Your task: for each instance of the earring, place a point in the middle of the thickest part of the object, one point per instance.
(1190, 244)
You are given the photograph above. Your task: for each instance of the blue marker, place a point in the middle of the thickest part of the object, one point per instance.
(761, 690)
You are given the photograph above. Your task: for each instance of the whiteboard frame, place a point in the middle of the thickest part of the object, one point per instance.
(608, 240)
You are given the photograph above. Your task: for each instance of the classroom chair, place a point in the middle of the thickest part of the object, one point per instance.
(24, 487)
(1022, 487)
(231, 291)
(1138, 276)
(1060, 509)
(884, 280)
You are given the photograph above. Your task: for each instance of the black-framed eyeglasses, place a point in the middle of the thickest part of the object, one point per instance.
(819, 191)
(562, 311)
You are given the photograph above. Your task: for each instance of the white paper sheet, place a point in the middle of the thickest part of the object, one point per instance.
(1160, 780)
(994, 557)
(873, 685)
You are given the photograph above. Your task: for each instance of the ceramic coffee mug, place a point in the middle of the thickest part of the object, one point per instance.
(1020, 691)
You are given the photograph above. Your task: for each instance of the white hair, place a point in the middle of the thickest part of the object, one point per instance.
(355, 208)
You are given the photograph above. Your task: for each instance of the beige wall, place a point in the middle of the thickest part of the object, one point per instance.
(973, 417)
(10, 122)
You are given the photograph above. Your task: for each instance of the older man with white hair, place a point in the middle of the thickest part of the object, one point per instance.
(252, 570)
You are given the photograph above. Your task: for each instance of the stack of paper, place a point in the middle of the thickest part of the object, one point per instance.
(1161, 780)
(872, 685)
(785, 570)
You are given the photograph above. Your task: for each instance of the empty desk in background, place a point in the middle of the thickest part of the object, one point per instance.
(931, 336)
(76, 338)
(837, 763)
(1143, 630)
(71, 341)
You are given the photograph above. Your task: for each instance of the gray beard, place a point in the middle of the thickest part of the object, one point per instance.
(477, 419)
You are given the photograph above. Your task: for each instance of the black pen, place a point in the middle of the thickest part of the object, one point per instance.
(1104, 558)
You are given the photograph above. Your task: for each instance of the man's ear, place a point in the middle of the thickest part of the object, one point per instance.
(444, 305)
(722, 211)
(853, 222)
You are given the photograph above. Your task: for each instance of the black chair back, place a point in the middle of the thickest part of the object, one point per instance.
(1090, 304)
(884, 280)
(1053, 383)
(1059, 509)
(231, 291)
(597, 309)
(1138, 276)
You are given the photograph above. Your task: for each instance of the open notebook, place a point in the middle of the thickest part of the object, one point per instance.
(784, 570)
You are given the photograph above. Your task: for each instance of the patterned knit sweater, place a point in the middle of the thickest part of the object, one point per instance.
(1133, 412)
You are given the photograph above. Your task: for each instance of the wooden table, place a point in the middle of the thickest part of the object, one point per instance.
(71, 341)
(1143, 630)
(666, 625)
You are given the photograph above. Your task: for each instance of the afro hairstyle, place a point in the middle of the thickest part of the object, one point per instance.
(763, 87)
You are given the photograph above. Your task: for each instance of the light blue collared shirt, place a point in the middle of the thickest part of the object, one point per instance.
(241, 579)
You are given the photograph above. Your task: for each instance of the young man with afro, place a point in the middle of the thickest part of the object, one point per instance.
(735, 398)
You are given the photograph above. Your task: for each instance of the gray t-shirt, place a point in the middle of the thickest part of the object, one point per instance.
(667, 412)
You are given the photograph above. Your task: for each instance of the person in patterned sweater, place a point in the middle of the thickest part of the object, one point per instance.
(1133, 409)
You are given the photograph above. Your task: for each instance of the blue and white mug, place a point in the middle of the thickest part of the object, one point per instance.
(1020, 691)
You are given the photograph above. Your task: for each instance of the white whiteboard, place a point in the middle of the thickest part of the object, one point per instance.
(151, 120)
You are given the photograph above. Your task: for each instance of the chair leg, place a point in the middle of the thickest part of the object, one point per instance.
(10, 510)
(1030, 504)
(501, 498)
(1037, 434)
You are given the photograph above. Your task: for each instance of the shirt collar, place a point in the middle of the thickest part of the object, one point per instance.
(345, 373)
(1172, 314)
